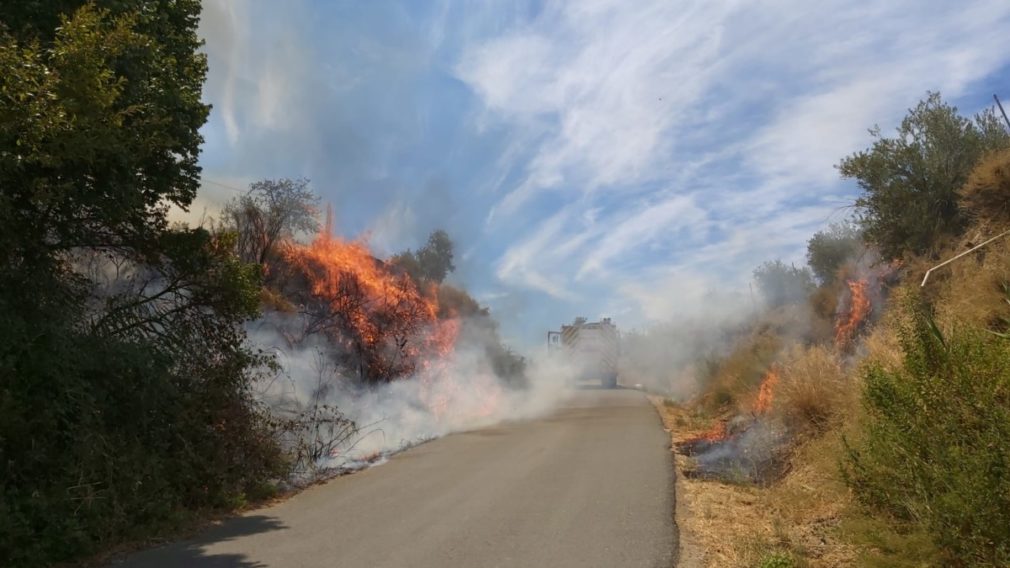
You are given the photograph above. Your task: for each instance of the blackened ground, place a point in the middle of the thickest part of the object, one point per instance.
(591, 485)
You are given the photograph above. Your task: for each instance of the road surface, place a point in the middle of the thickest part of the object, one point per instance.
(591, 485)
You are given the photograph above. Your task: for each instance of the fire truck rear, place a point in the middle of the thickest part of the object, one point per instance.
(591, 347)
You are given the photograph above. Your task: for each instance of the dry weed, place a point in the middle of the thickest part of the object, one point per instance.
(813, 391)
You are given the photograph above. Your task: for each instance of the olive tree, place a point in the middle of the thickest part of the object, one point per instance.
(910, 181)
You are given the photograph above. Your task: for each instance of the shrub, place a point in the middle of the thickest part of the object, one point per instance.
(813, 390)
(777, 560)
(782, 284)
(985, 196)
(829, 249)
(934, 449)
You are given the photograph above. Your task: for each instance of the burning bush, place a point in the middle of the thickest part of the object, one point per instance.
(384, 325)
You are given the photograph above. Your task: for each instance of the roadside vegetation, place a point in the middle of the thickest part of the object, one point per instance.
(129, 391)
(892, 397)
(125, 406)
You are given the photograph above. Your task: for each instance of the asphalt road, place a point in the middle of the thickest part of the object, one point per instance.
(591, 485)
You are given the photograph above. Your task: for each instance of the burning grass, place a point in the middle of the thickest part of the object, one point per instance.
(724, 524)
(854, 308)
(745, 448)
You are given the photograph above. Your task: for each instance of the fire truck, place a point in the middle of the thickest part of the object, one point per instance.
(592, 348)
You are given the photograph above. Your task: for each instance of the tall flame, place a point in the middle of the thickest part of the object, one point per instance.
(371, 308)
(849, 322)
(766, 392)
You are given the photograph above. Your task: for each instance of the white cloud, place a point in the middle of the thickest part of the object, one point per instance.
(702, 135)
(652, 150)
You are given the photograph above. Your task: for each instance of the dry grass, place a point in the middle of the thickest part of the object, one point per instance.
(974, 290)
(882, 346)
(713, 518)
(813, 392)
(723, 524)
(736, 377)
(985, 197)
(812, 503)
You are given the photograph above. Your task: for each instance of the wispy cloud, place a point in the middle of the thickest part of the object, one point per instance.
(639, 158)
(702, 135)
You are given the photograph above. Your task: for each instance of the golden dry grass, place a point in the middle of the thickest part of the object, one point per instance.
(974, 290)
(881, 345)
(813, 392)
(712, 517)
(738, 374)
(726, 525)
(985, 197)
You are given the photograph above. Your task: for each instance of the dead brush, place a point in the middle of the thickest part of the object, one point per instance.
(813, 391)
(976, 290)
(985, 197)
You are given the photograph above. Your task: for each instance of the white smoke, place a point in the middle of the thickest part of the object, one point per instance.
(459, 393)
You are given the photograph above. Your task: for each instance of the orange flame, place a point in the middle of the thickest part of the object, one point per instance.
(716, 433)
(766, 393)
(848, 323)
(370, 307)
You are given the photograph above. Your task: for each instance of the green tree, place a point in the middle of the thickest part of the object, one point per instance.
(829, 249)
(781, 284)
(910, 181)
(432, 262)
(125, 398)
(99, 124)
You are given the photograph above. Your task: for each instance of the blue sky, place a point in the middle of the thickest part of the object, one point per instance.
(633, 159)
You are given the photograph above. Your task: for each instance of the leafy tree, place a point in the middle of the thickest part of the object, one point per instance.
(272, 210)
(432, 262)
(125, 395)
(99, 124)
(829, 249)
(782, 284)
(435, 257)
(910, 181)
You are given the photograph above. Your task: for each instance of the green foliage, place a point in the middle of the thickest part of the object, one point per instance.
(886, 542)
(910, 181)
(435, 257)
(828, 250)
(432, 262)
(935, 450)
(781, 284)
(777, 560)
(125, 403)
(99, 124)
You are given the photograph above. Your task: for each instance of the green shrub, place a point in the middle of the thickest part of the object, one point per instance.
(935, 445)
(777, 560)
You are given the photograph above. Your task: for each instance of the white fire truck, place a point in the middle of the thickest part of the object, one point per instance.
(591, 347)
